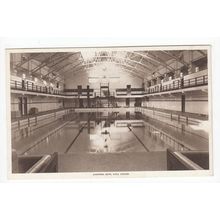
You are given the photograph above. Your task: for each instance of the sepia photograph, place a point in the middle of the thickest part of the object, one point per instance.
(110, 111)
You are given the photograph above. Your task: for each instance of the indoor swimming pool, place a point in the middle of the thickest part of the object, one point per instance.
(114, 132)
(146, 117)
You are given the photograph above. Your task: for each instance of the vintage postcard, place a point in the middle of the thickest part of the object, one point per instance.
(109, 112)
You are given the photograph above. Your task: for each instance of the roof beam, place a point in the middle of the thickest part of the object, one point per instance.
(49, 60)
(155, 59)
(147, 58)
(73, 67)
(161, 62)
(175, 57)
(120, 63)
(123, 59)
(203, 53)
(56, 70)
(136, 54)
(59, 61)
(31, 57)
(43, 63)
(66, 57)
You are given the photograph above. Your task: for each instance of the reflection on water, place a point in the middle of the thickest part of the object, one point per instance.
(107, 132)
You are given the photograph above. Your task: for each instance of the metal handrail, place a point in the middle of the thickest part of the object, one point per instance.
(37, 167)
(31, 87)
(179, 84)
(183, 160)
(174, 85)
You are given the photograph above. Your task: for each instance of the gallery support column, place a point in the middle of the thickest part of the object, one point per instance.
(183, 102)
(127, 100)
(79, 94)
(88, 97)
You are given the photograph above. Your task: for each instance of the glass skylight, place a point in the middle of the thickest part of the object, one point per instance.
(88, 55)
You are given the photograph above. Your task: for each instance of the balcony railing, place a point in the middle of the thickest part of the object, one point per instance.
(173, 85)
(132, 91)
(179, 84)
(31, 87)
